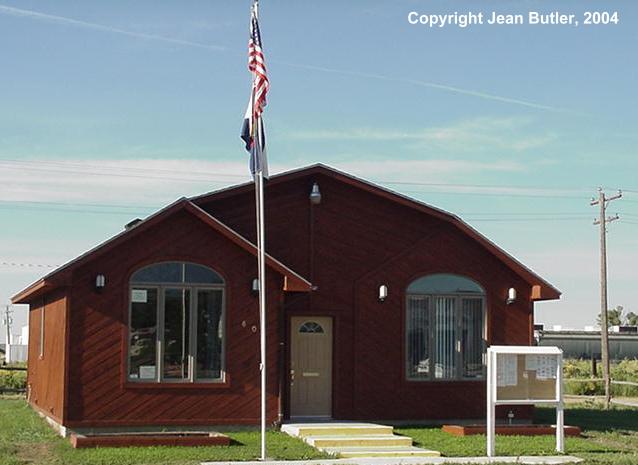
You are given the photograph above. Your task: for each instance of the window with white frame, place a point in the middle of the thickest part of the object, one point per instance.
(445, 328)
(176, 324)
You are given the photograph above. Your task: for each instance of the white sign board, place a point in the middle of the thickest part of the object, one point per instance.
(524, 375)
(139, 296)
(147, 372)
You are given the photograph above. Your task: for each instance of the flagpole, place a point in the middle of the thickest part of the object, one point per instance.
(261, 263)
(261, 272)
(262, 310)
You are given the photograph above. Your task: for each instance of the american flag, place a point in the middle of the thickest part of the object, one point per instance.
(257, 65)
(252, 131)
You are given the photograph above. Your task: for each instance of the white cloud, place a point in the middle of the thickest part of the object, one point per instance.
(478, 134)
(423, 170)
(146, 184)
(121, 182)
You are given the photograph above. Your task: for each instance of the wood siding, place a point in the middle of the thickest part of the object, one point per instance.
(46, 375)
(98, 389)
(347, 246)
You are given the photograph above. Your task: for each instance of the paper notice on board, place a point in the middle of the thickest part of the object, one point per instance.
(147, 372)
(531, 362)
(139, 296)
(547, 367)
(506, 370)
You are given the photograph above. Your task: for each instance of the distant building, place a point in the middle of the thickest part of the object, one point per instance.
(19, 346)
(623, 342)
(23, 337)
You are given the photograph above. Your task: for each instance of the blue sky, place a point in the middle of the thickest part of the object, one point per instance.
(110, 110)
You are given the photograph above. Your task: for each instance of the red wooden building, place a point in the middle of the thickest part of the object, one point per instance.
(379, 307)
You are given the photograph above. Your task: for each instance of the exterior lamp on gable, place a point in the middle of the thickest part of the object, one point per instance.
(511, 296)
(100, 282)
(254, 286)
(315, 194)
(383, 292)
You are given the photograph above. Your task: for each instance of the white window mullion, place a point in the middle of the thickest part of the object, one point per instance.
(458, 344)
(192, 355)
(160, 335)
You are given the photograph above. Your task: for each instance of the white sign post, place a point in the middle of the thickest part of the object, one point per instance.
(523, 375)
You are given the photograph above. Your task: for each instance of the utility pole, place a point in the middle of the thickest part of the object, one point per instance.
(602, 221)
(8, 321)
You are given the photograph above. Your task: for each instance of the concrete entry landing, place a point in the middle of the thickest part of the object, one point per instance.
(353, 440)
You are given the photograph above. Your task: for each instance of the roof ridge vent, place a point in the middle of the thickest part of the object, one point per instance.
(131, 224)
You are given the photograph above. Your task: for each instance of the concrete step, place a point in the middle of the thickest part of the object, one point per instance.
(303, 430)
(355, 452)
(385, 440)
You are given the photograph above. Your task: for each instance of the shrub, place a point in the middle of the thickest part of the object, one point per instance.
(13, 379)
(624, 370)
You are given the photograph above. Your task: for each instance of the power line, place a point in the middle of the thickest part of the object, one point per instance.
(532, 220)
(74, 210)
(124, 175)
(27, 265)
(116, 168)
(75, 204)
(216, 178)
(35, 203)
(142, 210)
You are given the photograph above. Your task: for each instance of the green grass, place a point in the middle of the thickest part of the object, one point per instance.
(610, 438)
(25, 439)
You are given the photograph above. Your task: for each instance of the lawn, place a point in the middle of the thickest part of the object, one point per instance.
(611, 437)
(26, 439)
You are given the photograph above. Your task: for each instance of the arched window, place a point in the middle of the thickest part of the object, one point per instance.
(445, 328)
(176, 323)
(311, 327)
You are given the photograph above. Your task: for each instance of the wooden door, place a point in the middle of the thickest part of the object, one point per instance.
(311, 367)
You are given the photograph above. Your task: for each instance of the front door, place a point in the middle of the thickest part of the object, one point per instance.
(311, 367)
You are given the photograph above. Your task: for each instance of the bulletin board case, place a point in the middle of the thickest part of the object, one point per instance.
(524, 375)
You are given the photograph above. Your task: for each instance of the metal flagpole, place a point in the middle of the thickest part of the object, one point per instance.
(261, 262)
(261, 277)
(262, 311)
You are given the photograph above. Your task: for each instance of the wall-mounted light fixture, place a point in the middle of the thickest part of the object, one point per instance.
(511, 296)
(383, 292)
(254, 286)
(315, 194)
(100, 282)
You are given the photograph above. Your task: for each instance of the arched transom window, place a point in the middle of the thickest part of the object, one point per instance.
(176, 323)
(445, 328)
(311, 327)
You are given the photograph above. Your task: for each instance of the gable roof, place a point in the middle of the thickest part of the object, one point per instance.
(293, 282)
(541, 289)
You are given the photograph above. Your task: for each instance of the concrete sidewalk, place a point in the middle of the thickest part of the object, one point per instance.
(532, 460)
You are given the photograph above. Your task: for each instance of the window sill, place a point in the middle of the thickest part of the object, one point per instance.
(445, 381)
(165, 385)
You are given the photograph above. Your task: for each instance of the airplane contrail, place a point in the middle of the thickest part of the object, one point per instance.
(432, 85)
(8, 10)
